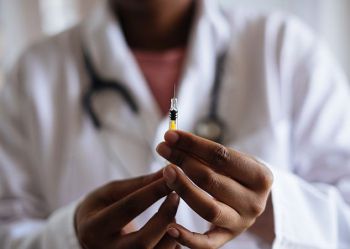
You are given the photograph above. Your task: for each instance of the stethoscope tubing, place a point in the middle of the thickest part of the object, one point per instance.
(99, 85)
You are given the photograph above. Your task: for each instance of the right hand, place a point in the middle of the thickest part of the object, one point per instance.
(101, 219)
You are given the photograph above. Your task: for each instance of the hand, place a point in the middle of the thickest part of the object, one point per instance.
(101, 219)
(225, 187)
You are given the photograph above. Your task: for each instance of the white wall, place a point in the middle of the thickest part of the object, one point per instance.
(24, 21)
(336, 29)
(21, 23)
(329, 18)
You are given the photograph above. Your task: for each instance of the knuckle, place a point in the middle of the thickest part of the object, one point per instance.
(264, 179)
(210, 243)
(256, 208)
(178, 158)
(214, 214)
(221, 155)
(209, 179)
(191, 241)
(245, 224)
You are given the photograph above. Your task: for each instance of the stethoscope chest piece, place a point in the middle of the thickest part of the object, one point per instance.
(212, 128)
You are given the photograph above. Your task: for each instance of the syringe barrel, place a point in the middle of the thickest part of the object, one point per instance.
(173, 114)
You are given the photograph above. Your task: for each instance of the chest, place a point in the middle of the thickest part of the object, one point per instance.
(249, 104)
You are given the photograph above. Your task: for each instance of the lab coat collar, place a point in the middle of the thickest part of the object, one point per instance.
(104, 40)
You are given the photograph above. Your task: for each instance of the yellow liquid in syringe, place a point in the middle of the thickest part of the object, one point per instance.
(173, 125)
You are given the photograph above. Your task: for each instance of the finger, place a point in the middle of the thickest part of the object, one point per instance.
(198, 146)
(243, 168)
(167, 242)
(155, 229)
(212, 239)
(208, 208)
(223, 188)
(116, 190)
(116, 216)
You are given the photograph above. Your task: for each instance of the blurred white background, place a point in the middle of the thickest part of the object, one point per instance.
(24, 21)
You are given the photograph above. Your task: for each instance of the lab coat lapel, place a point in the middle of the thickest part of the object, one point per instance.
(106, 45)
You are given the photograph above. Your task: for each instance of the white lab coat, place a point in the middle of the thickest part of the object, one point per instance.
(284, 100)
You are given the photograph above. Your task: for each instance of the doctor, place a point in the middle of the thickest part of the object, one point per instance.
(283, 99)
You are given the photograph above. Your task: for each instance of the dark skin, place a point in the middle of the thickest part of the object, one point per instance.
(239, 187)
(239, 184)
(102, 219)
(155, 24)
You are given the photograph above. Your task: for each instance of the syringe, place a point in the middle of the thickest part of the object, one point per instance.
(173, 113)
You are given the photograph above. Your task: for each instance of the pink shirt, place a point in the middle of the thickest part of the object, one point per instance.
(162, 70)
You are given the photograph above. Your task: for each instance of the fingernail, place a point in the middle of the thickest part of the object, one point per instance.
(169, 175)
(171, 137)
(164, 150)
(173, 232)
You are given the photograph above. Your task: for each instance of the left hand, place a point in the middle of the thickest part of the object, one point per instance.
(237, 184)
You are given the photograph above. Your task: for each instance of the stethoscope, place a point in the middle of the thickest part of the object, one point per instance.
(211, 126)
